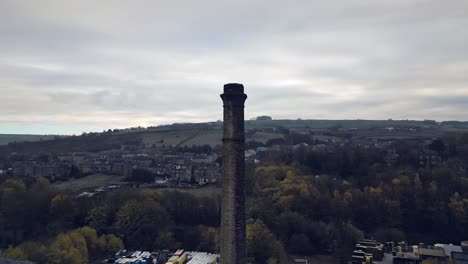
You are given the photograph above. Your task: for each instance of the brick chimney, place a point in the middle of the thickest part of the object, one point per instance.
(233, 237)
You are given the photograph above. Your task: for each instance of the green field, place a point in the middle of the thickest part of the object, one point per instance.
(88, 182)
(203, 191)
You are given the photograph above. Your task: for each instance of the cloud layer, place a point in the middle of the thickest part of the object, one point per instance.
(68, 66)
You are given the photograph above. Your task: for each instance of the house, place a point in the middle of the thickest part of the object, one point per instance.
(65, 157)
(360, 257)
(35, 169)
(449, 249)
(208, 173)
(434, 253)
(118, 168)
(161, 171)
(406, 258)
(371, 247)
(429, 158)
(181, 171)
(391, 157)
(300, 146)
(250, 154)
(89, 168)
(19, 170)
(459, 257)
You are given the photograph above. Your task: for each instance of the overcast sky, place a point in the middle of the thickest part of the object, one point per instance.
(73, 66)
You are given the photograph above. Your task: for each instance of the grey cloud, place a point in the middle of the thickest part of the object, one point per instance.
(113, 63)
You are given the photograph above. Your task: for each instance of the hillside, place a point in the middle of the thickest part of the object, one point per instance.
(211, 134)
(8, 138)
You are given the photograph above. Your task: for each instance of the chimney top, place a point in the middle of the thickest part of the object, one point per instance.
(236, 88)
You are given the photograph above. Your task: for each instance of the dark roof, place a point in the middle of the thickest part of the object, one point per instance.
(459, 256)
(432, 252)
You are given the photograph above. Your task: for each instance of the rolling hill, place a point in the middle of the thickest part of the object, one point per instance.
(8, 138)
(188, 134)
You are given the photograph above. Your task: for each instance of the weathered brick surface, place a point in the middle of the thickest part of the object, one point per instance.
(233, 237)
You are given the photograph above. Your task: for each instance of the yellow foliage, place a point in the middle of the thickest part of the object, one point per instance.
(348, 196)
(433, 188)
(459, 207)
(69, 248)
(336, 194)
(294, 184)
(396, 181)
(57, 199)
(41, 183)
(286, 201)
(373, 190)
(404, 180)
(15, 253)
(151, 194)
(75, 256)
(14, 185)
(113, 243)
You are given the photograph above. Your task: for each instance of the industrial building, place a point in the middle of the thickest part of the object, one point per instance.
(164, 257)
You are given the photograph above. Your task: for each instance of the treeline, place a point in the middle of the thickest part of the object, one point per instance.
(47, 226)
(300, 201)
(75, 246)
(348, 161)
(322, 202)
(39, 223)
(310, 215)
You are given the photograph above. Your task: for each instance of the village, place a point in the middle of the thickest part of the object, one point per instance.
(176, 166)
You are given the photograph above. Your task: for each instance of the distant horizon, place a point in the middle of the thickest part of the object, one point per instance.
(78, 133)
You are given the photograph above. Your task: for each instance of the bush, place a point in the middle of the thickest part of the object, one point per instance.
(389, 235)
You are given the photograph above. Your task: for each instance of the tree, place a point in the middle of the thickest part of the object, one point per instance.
(74, 172)
(389, 234)
(437, 145)
(80, 245)
(459, 212)
(68, 248)
(62, 213)
(113, 244)
(209, 239)
(141, 176)
(347, 236)
(300, 244)
(260, 251)
(145, 224)
(11, 185)
(35, 251)
(94, 244)
(15, 253)
(100, 218)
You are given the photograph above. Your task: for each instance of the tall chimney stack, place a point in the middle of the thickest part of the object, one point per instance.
(233, 237)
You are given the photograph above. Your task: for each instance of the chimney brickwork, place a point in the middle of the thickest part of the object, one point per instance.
(233, 227)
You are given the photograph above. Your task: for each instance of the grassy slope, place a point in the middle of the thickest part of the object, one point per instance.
(88, 182)
(211, 134)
